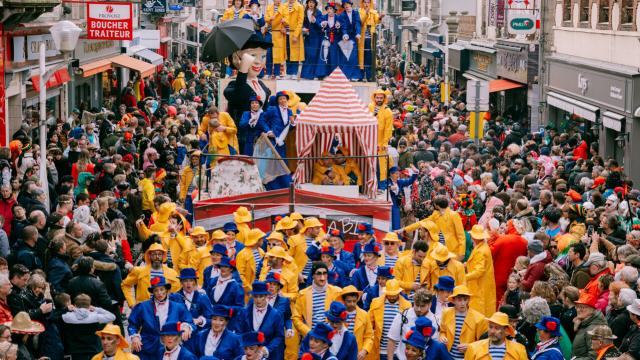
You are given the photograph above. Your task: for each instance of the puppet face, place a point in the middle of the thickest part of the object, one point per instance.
(260, 59)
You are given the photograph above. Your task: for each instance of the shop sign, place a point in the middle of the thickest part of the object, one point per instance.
(154, 7)
(512, 65)
(520, 23)
(483, 62)
(31, 44)
(147, 39)
(496, 13)
(348, 224)
(109, 21)
(96, 49)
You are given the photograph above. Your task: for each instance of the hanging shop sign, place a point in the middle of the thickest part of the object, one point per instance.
(521, 23)
(109, 21)
(154, 7)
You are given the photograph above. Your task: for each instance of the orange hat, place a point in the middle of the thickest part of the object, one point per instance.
(600, 180)
(587, 299)
(574, 195)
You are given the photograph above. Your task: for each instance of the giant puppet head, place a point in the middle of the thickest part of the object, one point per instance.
(252, 57)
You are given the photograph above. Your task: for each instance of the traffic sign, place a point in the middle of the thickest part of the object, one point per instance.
(477, 95)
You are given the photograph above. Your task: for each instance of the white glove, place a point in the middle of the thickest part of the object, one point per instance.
(289, 333)
(279, 142)
(323, 24)
(345, 37)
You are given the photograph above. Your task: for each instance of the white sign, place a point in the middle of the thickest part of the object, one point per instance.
(109, 21)
(477, 93)
(615, 92)
(88, 50)
(32, 46)
(521, 22)
(144, 39)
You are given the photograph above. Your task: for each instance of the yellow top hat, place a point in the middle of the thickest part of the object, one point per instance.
(477, 232)
(441, 253)
(349, 290)
(218, 235)
(165, 211)
(431, 227)
(502, 319)
(459, 291)
(391, 236)
(392, 287)
(253, 237)
(114, 330)
(242, 215)
(286, 223)
(296, 216)
(279, 252)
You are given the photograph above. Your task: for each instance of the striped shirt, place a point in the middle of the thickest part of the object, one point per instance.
(156, 273)
(455, 353)
(390, 261)
(306, 271)
(390, 312)
(497, 352)
(351, 320)
(318, 307)
(441, 238)
(258, 260)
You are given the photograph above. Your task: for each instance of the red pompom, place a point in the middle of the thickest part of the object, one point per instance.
(551, 325)
(391, 271)
(258, 98)
(408, 335)
(376, 248)
(260, 336)
(278, 218)
(335, 232)
(343, 315)
(276, 276)
(155, 281)
(306, 356)
(230, 312)
(427, 332)
(325, 249)
(361, 227)
(233, 263)
(331, 334)
(178, 324)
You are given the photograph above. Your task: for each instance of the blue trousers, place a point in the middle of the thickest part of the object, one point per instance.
(368, 69)
(292, 66)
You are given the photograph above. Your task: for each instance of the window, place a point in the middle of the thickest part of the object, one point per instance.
(585, 8)
(566, 10)
(603, 11)
(627, 12)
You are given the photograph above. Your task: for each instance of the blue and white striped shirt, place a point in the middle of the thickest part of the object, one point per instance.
(306, 272)
(318, 307)
(351, 320)
(441, 238)
(156, 273)
(497, 352)
(258, 259)
(390, 312)
(390, 261)
(455, 353)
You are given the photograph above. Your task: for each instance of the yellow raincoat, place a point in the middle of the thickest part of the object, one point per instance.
(229, 14)
(480, 350)
(376, 315)
(140, 278)
(474, 326)
(294, 19)
(406, 271)
(385, 131)
(288, 277)
(219, 141)
(246, 266)
(179, 83)
(369, 19)
(273, 17)
(303, 309)
(481, 281)
(454, 268)
(451, 227)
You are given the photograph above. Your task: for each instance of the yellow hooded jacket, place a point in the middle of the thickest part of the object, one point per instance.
(369, 19)
(474, 326)
(481, 280)
(376, 315)
(479, 350)
(303, 309)
(273, 17)
(140, 278)
(385, 130)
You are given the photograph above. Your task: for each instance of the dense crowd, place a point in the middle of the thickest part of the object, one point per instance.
(520, 245)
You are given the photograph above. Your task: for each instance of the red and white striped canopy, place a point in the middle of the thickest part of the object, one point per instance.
(337, 110)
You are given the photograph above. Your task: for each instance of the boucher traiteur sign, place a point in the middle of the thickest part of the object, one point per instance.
(109, 21)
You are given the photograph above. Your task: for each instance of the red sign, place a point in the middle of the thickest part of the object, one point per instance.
(109, 21)
(3, 115)
(58, 78)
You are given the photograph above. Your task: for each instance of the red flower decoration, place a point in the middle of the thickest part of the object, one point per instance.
(232, 263)
(361, 227)
(155, 281)
(178, 324)
(408, 335)
(306, 356)
(226, 253)
(331, 334)
(376, 248)
(343, 315)
(551, 325)
(260, 336)
(427, 332)
(335, 232)
(391, 271)
(230, 312)
(278, 218)
(325, 249)
(276, 276)
(258, 98)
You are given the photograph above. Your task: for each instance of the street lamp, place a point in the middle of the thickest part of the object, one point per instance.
(65, 36)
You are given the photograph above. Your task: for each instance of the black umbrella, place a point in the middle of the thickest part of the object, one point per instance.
(227, 38)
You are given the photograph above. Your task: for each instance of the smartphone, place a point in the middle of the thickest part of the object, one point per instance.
(590, 230)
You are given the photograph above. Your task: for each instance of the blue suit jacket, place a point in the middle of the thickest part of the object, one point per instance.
(283, 304)
(438, 351)
(314, 28)
(351, 28)
(359, 279)
(201, 305)
(348, 350)
(232, 296)
(252, 134)
(207, 282)
(144, 321)
(275, 122)
(184, 354)
(402, 183)
(229, 348)
(371, 293)
(347, 261)
(272, 326)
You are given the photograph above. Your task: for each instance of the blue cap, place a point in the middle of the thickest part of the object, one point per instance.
(222, 311)
(259, 288)
(282, 93)
(445, 283)
(219, 249)
(254, 2)
(322, 332)
(253, 338)
(173, 328)
(158, 281)
(347, 2)
(313, 253)
(393, 169)
(371, 248)
(415, 339)
(337, 312)
(273, 277)
(188, 273)
(385, 272)
(230, 226)
(549, 324)
(364, 228)
(226, 262)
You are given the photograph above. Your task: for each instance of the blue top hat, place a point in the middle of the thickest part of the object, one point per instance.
(445, 283)
(222, 311)
(328, 250)
(347, 2)
(322, 332)
(371, 248)
(364, 228)
(281, 93)
(188, 273)
(313, 253)
(337, 312)
(415, 339)
(393, 169)
(219, 249)
(336, 233)
(173, 328)
(226, 262)
(252, 338)
(331, 5)
(385, 272)
(424, 326)
(254, 2)
(231, 226)
(273, 277)
(259, 288)
(549, 324)
(158, 281)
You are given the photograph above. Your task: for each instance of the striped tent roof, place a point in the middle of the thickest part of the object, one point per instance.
(336, 110)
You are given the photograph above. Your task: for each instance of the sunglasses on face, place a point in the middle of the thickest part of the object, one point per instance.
(389, 243)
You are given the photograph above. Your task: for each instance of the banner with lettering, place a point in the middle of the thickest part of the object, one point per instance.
(348, 224)
(109, 21)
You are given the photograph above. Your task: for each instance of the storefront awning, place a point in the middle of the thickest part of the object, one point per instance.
(503, 84)
(58, 78)
(201, 27)
(573, 106)
(144, 68)
(432, 52)
(151, 56)
(95, 67)
(612, 120)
